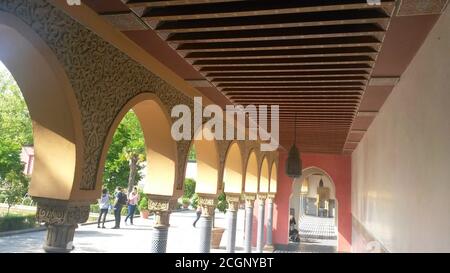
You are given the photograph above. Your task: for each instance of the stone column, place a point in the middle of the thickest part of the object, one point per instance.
(161, 206)
(301, 207)
(61, 219)
(233, 206)
(261, 218)
(249, 202)
(269, 243)
(208, 204)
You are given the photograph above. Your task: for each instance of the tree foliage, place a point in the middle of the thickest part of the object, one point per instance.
(125, 155)
(189, 188)
(15, 132)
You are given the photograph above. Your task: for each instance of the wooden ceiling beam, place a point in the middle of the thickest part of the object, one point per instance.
(333, 17)
(366, 40)
(247, 8)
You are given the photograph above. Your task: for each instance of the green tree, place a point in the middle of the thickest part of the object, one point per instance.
(189, 188)
(192, 157)
(15, 132)
(15, 186)
(125, 155)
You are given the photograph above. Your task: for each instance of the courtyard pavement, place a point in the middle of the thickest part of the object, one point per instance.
(183, 237)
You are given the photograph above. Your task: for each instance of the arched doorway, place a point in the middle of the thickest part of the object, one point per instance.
(314, 206)
(53, 109)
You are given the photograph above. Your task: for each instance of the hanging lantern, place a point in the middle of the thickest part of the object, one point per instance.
(321, 183)
(294, 163)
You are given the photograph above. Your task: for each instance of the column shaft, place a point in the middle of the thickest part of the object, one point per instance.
(248, 226)
(59, 238)
(205, 225)
(261, 214)
(159, 239)
(232, 220)
(161, 207)
(269, 222)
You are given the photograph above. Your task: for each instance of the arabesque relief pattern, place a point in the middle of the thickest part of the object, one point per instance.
(102, 77)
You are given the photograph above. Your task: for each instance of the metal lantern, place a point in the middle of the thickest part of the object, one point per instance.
(294, 163)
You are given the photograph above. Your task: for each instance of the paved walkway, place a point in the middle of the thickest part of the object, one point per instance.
(317, 235)
(183, 237)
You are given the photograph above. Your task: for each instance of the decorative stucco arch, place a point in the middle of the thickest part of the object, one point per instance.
(273, 184)
(233, 169)
(307, 172)
(264, 176)
(208, 164)
(161, 149)
(251, 173)
(51, 101)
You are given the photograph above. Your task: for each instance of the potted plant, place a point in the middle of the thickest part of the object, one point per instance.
(143, 206)
(185, 201)
(217, 232)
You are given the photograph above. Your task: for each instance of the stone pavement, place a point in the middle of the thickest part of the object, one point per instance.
(183, 237)
(317, 235)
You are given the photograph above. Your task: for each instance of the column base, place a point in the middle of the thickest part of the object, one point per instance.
(269, 248)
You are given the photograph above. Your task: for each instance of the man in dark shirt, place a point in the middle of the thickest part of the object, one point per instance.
(118, 204)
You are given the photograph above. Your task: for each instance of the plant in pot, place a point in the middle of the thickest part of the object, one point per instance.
(217, 232)
(143, 206)
(185, 201)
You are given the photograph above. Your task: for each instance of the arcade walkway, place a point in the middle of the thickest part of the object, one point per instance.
(129, 239)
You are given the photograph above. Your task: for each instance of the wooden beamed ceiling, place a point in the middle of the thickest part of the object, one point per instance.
(314, 58)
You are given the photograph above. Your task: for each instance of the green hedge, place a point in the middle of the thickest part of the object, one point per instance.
(16, 222)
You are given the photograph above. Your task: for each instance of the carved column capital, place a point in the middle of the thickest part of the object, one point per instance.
(233, 201)
(250, 199)
(271, 196)
(262, 196)
(161, 206)
(60, 212)
(208, 204)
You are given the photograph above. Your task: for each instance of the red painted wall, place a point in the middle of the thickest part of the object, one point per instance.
(339, 168)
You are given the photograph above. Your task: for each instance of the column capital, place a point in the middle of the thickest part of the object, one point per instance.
(271, 196)
(262, 196)
(161, 206)
(250, 199)
(61, 212)
(160, 203)
(233, 201)
(208, 204)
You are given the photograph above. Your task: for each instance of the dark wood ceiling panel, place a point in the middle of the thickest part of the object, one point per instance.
(315, 59)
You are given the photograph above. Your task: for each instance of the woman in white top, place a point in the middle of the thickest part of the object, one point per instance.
(103, 203)
(133, 199)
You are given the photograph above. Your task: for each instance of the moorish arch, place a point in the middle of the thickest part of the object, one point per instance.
(264, 176)
(273, 178)
(306, 179)
(208, 163)
(160, 147)
(233, 169)
(51, 101)
(251, 173)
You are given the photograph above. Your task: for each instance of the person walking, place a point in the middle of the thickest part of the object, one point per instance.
(199, 214)
(133, 199)
(103, 204)
(119, 202)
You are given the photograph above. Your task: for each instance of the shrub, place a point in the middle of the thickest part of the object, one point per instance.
(222, 204)
(95, 208)
(189, 188)
(16, 222)
(143, 202)
(194, 201)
